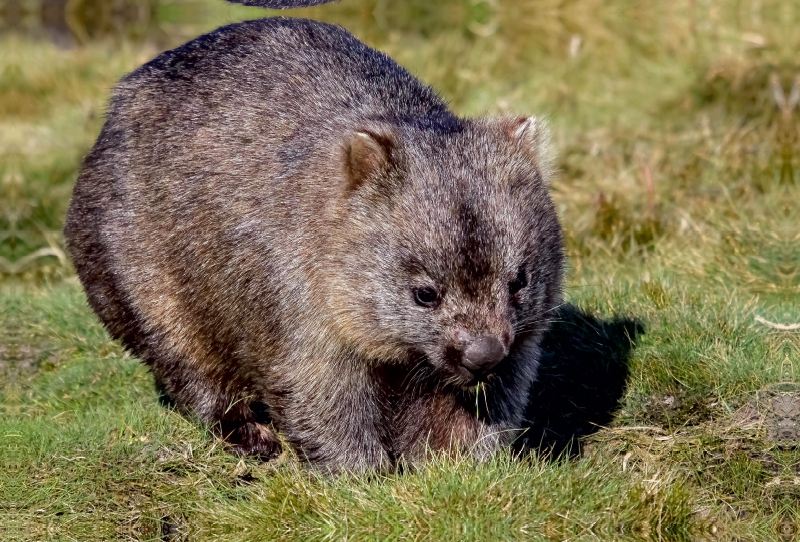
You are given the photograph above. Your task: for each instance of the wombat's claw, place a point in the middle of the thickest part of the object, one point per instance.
(255, 440)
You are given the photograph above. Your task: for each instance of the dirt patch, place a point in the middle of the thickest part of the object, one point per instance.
(17, 359)
(773, 416)
(770, 423)
(677, 409)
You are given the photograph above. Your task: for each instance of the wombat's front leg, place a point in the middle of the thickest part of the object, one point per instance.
(447, 420)
(334, 415)
(475, 422)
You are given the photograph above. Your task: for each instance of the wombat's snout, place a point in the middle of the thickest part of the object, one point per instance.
(482, 354)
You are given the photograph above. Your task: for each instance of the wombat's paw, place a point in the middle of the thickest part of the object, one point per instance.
(254, 439)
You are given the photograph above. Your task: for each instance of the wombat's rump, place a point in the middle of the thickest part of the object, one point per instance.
(289, 228)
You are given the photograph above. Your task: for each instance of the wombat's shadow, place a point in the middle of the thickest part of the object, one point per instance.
(582, 376)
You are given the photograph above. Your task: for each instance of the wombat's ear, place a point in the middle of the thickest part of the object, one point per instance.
(531, 136)
(369, 154)
(530, 133)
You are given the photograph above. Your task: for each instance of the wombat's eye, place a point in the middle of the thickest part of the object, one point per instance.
(426, 297)
(518, 283)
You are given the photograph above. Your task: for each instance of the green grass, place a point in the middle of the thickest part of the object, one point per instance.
(678, 174)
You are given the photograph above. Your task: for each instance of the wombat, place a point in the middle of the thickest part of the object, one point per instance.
(294, 233)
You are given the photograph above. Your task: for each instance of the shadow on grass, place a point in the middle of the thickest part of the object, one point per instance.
(582, 376)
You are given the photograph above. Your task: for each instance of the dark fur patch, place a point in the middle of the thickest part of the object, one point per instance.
(475, 250)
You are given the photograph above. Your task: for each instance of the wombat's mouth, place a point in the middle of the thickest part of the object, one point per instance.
(463, 378)
(464, 373)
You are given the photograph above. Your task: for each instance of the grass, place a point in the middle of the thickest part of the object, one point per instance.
(678, 172)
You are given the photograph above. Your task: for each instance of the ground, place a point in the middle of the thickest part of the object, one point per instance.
(676, 129)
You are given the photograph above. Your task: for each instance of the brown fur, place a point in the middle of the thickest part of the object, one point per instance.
(259, 221)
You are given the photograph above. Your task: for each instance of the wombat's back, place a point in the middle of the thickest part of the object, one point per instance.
(208, 184)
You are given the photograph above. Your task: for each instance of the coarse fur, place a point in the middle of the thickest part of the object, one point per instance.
(293, 232)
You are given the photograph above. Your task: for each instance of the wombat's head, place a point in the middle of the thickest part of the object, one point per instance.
(453, 250)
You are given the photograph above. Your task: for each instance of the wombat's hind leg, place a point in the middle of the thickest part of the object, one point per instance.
(253, 439)
(246, 429)
(242, 422)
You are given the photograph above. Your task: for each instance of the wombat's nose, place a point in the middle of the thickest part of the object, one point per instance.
(483, 354)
